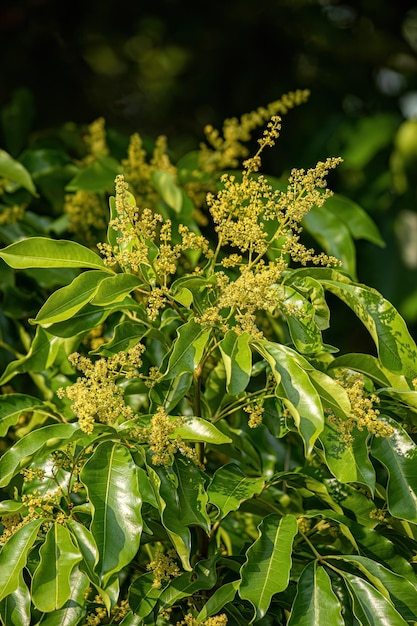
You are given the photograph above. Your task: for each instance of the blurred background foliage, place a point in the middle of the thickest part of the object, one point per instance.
(171, 66)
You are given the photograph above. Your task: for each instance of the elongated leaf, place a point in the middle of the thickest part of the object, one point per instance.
(268, 562)
(126, 334)
(398, 454)
(14, 555)
(171, 193)
(370, 607)
(13, 170)
(44, 252)
(315, 602)
(169, 392)
(12, 406)
(15, 608)
(39, 357)
(199, 429)
(203, 576)
(355, 218)
(143, 596)
(74, 608)
(51, 580)
(68, 300)
(314, 291)
(193, 498)
(230, 486)
(401, 592)
(97, 177)
(50, 437)
(300, 317)
(111, 481)
(296, 387)
(188, 349)
(88, 548)
(237, 359)
(223, 595)
(115, 288)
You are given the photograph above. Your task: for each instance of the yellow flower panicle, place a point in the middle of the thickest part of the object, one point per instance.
(163, 568)
(96, 140)
(163, 445)
(87, 216)
(216, 620)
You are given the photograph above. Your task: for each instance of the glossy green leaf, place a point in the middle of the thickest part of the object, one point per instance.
(237, 359)
(203, 576)
(44, 252)
(355, 218)
(230, 486)
(68, 300)
(74, 608)
(371, 367)
(398, 454)
(13, 170)
(169, 392)
(314, 291)
(401, 592)
(171, 193)
(143, 596)
(12, 405)
(50, 437)
(88, 548)
(370, 607)
(268, 562)
(302, 399)
(187, 350)
(126, 334)
(15, 608)
(300, 316)
(223, 595)
(14, 554)
(315, 602)
(115, 288)
(51, 580)
(199, 429)
(40, 356)
(111, 481)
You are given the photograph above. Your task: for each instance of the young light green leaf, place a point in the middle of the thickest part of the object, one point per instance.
(51, 437)
(68, 300)
(199, 429)
(14, 555)
(296, 387)
(126, 334)
(223, 595)
(44, 252)
(268, 562)
(237, 359)
(398, 454)
(187, 350)
(315, 602)
(15, 608)
(74, 608)
(115, 288)
(51, 580)
(111, 482)
(12, 405)
(230, 486)
(13, 170)
(97, 177)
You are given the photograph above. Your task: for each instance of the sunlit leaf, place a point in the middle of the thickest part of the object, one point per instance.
(237, 359)
(115, 288)
(74, 608)
(15, 608)
(230, 486)
(187, 349)
(14, 554)
(12, 405)
(223, 595)
(13, 170)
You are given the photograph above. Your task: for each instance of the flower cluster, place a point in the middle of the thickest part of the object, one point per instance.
(96, 140)
(87, 216)
(163, 568)
(216, 620)
(162, 444)
(96, 395)
(255, 415)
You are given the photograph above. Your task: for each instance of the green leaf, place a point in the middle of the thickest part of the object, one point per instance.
(143, 596)
(12, 405)
(74, 608)
(311, 288)
(187, 350)
(126, 334)
(315, 602)
(115, 288)
(97, 177)
(237, 359)
(199, 429)
(268, 562)
(355, 218)
(50, 437)
(51, 580)
(68, 300)
(398, 454)
(300, 316)
(44, 252)
(370, 607)
(296, 389)
(168, 393)
(333, 236)
(175, 197)
(13, 170)
(230, 486)
(111, 481)
(88, 548)
(40, 356)
(15, 608)
(223, 595)
(14, 555)
(203, 576)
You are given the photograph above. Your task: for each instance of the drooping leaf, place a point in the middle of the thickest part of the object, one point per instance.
(355, 218)
(230, 486)
(49, 437)
(13, 170)
(296, 388)
(44, 252)
(398, 454)
(237, 359)
(187, 350)
(51, 586)
(14, 554)
(41, 355)
(68, 300)
(111, 482)
(171, 193)
(15, 608)
(88, 548)
(315, 602)
(12, 405)
(169, 392)
(268, 562)
(314, 291)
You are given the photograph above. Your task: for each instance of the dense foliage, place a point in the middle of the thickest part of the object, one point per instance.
(181, 445)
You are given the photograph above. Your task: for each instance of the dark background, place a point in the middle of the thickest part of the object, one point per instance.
(170, 66)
